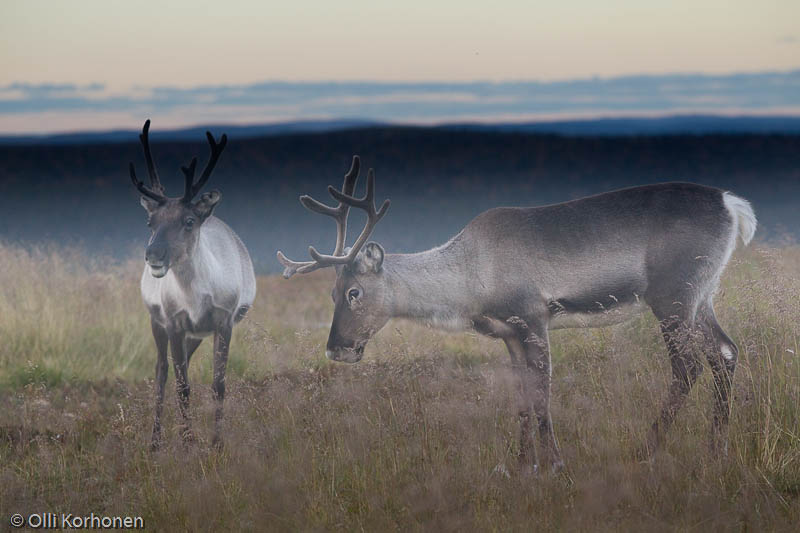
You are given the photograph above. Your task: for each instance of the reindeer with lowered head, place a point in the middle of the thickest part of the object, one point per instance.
(198, 280)
(516, 273)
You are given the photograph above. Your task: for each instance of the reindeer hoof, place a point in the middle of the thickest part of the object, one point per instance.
(188, 435)
(718, 447)
(527, 470)
(218, 443)
(155, 441)
(645, 453)
(501, 471)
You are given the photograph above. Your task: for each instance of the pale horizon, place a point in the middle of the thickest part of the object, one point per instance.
(27, 109)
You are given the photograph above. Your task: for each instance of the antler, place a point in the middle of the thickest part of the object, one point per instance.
(367, 203)
(193, 188)
(156, 190)
(188, 173)
(144, 138)
(339, 213)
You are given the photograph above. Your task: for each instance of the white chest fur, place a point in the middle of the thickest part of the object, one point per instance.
(202, 290)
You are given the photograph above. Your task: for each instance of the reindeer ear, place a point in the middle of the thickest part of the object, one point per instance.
(370, 258)
(149, 204)
(206, 204)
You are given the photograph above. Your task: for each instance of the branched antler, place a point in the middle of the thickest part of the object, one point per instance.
(367, 203)
(339, 213)
(156, 190)
(188, 174)
(216, 149)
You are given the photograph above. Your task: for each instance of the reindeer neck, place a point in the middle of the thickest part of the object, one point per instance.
(428, 286)
(193, 268)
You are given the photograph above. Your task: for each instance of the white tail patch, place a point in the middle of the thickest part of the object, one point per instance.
(742, 214)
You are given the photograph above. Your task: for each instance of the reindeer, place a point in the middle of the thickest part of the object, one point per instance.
(198, 279)
(516, 273)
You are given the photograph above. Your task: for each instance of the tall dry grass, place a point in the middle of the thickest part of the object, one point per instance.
(421, 435)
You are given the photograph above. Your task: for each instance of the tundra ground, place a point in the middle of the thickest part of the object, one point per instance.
(421, 435)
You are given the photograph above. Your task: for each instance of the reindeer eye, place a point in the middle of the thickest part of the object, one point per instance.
(189, 223)
(353, 294)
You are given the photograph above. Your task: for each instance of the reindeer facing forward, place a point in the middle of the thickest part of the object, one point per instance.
(515, 273)
(198, 279)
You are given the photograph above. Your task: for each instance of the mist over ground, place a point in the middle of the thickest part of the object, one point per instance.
(438, 179)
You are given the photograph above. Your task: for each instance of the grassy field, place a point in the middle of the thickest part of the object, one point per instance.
(421, 435)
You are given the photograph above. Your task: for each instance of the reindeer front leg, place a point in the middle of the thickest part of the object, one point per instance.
(528, 346)
(162, 340)
(180, 362)
(536, 388)
(527, 453)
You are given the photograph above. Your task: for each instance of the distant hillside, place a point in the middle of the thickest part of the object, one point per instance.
(188, 134)
(437, 178)
(671, 125)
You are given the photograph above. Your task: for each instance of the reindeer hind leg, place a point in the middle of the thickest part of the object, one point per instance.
(722, 354)
(222, 341)
(686, 367)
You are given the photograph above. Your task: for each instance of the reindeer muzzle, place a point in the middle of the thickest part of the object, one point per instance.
(156, 258)
(346, 355)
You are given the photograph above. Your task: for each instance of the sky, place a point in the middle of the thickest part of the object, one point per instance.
(121, 58)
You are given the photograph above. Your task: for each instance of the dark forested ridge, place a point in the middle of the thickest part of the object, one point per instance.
(438, 180)
(688, 124)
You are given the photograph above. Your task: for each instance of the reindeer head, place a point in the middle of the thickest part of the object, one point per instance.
(175, 222)
(359, 292)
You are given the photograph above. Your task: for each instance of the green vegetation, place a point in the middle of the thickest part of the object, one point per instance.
(421, 435)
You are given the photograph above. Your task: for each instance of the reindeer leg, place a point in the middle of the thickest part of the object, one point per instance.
(536, 382)
(530, 356)
(685, 369)
(191, 346)
(222, 341)
(177, 341)
(722, 354)
(162, 340)
(527, 456)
